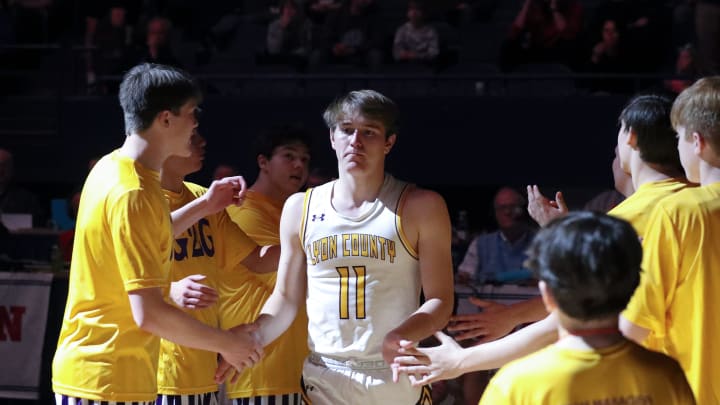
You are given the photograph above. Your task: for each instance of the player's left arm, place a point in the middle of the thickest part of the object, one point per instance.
(426, 224)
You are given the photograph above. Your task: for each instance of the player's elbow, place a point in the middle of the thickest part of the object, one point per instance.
(145, 319)
(144, 310)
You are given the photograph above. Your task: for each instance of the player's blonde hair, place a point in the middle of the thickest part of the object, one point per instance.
(369, 104)
(697, 109)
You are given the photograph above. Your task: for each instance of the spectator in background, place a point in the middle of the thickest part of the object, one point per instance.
(416, 40)
(503, 250)
(289, 37)
(157, 47)
(544, 31)
(488, 256)
(686, 70)
(352, 36)
(15, 199)
(110, 31)
(645, 26)
(607, 53)
(610, 55)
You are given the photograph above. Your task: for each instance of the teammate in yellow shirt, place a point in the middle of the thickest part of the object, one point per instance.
(203, 255)
(647, 151)
(116, 310)
(588, 265)
(283, 155)
(679, 294)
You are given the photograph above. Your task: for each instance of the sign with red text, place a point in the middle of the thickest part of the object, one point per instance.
(24, 301)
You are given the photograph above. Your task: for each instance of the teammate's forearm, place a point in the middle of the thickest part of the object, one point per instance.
(497, 353)
(185, 216)
(528, 311)
(170, 323)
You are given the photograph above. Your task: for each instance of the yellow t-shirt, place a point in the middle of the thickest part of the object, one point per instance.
(625, 373)
(212, 244)
(636, 208)
(679, 293)
(123, 240)
(242, 298)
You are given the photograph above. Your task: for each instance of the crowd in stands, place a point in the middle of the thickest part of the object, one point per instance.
(675, 38)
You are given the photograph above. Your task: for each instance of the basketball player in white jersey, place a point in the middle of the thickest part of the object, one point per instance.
(359, 250)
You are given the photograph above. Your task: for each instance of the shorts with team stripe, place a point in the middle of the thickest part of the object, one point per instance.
(286, 399)
(332, 381)
(208, 398)
(66, 400)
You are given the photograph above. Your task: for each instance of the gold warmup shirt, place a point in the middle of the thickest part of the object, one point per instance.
(242, 298)
(678, 298)
(625, 373)
(123, 241)
(210, 246)
(637, 207)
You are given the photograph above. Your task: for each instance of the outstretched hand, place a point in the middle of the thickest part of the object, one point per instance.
(224, 192)
(542, 209)
(191, 294)
(425, 365)
(495, 321)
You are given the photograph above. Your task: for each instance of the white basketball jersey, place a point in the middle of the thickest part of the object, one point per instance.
(363, 276)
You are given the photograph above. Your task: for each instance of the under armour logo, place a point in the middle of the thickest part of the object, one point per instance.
(320, 217)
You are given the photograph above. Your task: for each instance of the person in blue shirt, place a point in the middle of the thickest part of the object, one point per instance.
(491, 254)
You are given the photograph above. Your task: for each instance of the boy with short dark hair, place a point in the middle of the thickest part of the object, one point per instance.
(588, 265)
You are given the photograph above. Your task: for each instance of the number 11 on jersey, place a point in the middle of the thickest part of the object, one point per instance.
(359, 276)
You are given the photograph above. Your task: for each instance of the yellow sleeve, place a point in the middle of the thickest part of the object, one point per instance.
(256, 224)
(661, 256)
(140, 229)
(235, 244)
